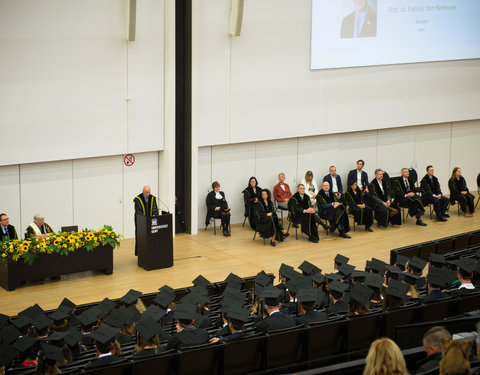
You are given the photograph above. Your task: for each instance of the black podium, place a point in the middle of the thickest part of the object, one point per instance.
(154, 241)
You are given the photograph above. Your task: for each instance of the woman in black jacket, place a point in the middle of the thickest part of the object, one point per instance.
(217, 207)
(267, 220)
(251, 194)
(459, 192)
(362, 213)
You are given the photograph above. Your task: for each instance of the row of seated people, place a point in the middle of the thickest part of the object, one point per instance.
(97, 336)
(37, 228)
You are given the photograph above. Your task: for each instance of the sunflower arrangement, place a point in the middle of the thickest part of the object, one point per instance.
(59, 243)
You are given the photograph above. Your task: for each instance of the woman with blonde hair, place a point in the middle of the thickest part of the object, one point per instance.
(385, 358)
(311, 186)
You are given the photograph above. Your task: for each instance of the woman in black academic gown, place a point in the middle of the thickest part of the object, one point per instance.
(251, 194)
(218, 208)
(459, 192)
(362, 213)
(267, 220)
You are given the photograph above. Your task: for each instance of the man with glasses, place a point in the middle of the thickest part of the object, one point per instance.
(7, 231)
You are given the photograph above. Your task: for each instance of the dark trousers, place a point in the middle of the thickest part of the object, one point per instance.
(465, 200)
(439, 205)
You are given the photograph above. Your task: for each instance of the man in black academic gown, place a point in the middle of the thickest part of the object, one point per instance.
(307, 301)
(437, 279)
(385, 210)
(104, 337)
(145, 205)
(7, 231)
(237, 317)
(275, 319)
(333, 210)
(187, 334)
(303, 213)
(431, 193)
(407, 197)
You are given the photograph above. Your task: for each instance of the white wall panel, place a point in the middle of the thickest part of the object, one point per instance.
(396, 150)
(204, 181)
(143, 172)
(10, 195)
(98, 192)
(466, 151)
(46, 188)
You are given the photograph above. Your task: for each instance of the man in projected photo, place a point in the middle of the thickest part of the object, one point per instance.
(361, 23)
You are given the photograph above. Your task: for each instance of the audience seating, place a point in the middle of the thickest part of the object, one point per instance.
(244, 356)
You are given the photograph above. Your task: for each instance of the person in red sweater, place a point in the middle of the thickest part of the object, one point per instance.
(281, 192)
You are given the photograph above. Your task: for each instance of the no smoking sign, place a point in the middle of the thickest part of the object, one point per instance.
(129, 160)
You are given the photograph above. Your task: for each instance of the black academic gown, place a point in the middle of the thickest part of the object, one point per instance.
(378, 196)
(464, 200)
(429, 362)
(189, 336)
(414, 204)
(44, 229)
(104, 361)
(340, 307)
(12, 233)
(296, 205)
(143, 208)
(277, 320)
(249, 200)
(312, 317)
(431, 187)
(362, 216)
(337, 216)
(267, 226)
(212, 203)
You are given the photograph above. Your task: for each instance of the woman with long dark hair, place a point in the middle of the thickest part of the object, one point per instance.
(459, 192)
(251, 194)
(267, 220)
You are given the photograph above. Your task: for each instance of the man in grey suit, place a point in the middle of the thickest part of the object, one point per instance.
(361, 23)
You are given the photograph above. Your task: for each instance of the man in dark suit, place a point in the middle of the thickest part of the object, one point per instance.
(385, 210)
(104, 338)
(333, 210)
(335, 183)
(407, 197)
(337, 294)
(307, 300)
(7, 231)
(237, 317)
(145, 205)
(436, 281)
(361, 23)
(431, 193)
(358, 175)
(187, 334)
(275, 319)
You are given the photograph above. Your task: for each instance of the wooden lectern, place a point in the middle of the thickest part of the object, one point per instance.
(154, 241)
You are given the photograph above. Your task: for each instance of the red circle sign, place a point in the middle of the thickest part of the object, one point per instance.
(129, 160)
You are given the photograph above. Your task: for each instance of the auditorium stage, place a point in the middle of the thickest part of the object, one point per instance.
(216, 256)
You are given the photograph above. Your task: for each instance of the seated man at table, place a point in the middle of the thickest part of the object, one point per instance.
(334, 211)
(432, 194)
(407, 197)
(281, 192)
(38, 227)
(7, 231)
(335, 183)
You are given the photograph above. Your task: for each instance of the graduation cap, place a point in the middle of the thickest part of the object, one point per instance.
(297, 283)
(32, 311)
(437, 277)
(401, 261)
(309, 268)
(410, 278)
(164, 299)
(417, 264)
(66, 303)
(57, 339)
(41, 322)
(51, 353)
(117, 318)
(318, 278)
(59, 316)
(374, 280)
(361, 293)
(239, 314)
(167, 289)
(477, 254)
(377, 265)
(201, 281)
(3, 320)
(309, 295)
(262, 279)
(21, 322)
(104, 334)
(24, 343)
(393, 272)
(7, 355)
(397, 289)
(466, 265)
(359, 276)
(333, 277)
(131, 314)
(341, 259)
(106, 306)
(9, 334)
(437, 260)
(88, 318)
(185, 311)
(271, 295)
(345, 269)
(234, 281)
(131, 297)
(74, 336)
(368, 265)
(155, 312)
(285, 269)
(147, 327)
(195, 298)
(337, 286)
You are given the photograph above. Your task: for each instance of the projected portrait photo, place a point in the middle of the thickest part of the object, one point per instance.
(362, 22)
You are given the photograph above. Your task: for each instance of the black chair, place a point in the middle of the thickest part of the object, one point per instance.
(445, 245)
(280, 210)
(200, 359)
(255, 235)
(461, 241)
(426, 249)
(284, 347)
(326, 338)
(478, 190)
(407, 251)
(163, 363)
(440, 309)
(214, 225)
(120, 368)
(244, 355)
(475, 238)
(401, 316)
(434, 371)
(468, 302)
(364, 329)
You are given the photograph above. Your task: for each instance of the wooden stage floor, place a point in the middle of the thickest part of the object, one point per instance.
(216, 256)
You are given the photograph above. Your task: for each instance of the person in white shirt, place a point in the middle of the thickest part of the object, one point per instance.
(359, 175)
(466, 267)
(311, 187)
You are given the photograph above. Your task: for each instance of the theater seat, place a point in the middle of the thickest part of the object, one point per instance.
(244, 355)
(284, 347)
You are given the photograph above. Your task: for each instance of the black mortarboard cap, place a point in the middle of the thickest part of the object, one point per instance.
(341, 259)
(359, 276)
(307, 295)
(296, 283)
(131, 297)
(393, 272)
(117, 318)
(410, 278)
(56, 338)
(262, 279)
(239, 313)
(195, 298)
(88, 317)
(9, 335)
(397, 289)
(185, 311)
(67, 303)
(374, 280)
(401, 261)
(337, 286)
(106, 306)
(318, 278)
(437, 277)
(466, 264)
(285, 269)
(41, 322)
(308, 268)
(377, 265)
(166, 288)
(104, 334)
(7, 355)
(155, 312)
(271, 295)
(201, 281)
(361, 293)
(131, 314)
(345, 269)
(417, 264)
(32, 311)
(3, 320)
(24, 343)
(59, 316)
(52, 352)
(368, 265)
(147, 327)
(74, 337)
(234, 281)
(438, 260)
(164, 299)
(21, 322)
(333, 277)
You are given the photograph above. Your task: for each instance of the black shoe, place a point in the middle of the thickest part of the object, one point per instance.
(368, 229)
(332, 228)
(421, 223)
(273, 243)
(344, 235)
(311, 239)
(225, 233)
(441, 218)
(325, 226)
(446, 215)
(286, 235)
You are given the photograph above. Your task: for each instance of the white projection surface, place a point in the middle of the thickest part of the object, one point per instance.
(348, 33)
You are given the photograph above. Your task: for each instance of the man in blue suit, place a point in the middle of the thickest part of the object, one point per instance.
(335, 183)
(358, 175)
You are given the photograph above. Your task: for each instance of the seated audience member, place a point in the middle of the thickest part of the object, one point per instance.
(47, 359)
(308, 269)
(459, 192)
(360, 300)
(147, 337)
(395, 295)
(436, 281)
(307, 302)
(303, 213)
(477, 345)
(432, 345)
(105, 345)
(358, 175)
(7, 231)
(267, 219)
(339, 260)
(217, 207)
(187, 334)
(432, 194)
(385, 358)
(281, 192)
(275, 319)
(237, 317)
(455, 357)
(88, 321)
(466, 268)
(407, 198)
(38, 227)
(415, 267)
(337, 294)
(311, 186)
(385, 210)
(333, 210)
(362, 213)
(27, 347)
(335, 183)
(251, 194)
